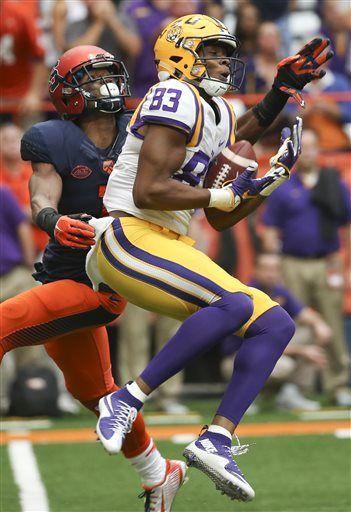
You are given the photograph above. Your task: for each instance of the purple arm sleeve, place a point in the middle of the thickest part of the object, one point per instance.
(13, 213)
(292, 305)
(347, 198)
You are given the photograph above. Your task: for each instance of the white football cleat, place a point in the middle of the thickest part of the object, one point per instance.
(117, 415)
(212, 454)
(160, 497)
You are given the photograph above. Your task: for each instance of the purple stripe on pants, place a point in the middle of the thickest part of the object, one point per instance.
(170, 266)
(149, 280)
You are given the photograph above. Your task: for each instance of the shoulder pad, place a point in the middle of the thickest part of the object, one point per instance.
(171, 103)
(43, 142)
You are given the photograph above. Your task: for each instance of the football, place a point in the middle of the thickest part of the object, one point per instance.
(229, 164)
(226, 167)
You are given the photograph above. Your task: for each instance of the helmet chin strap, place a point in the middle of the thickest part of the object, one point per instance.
(109, 107)
(213, 87)
(107, 103)
(209, 85)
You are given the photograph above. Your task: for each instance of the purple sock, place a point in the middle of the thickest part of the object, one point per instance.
(198, 333)
(263, 345)
(219, 438)
(123, 394)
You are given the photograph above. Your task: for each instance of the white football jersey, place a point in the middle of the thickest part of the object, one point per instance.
(178, 104)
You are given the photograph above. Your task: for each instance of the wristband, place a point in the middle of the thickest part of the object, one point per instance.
(272, 104)
(46, 220)
(223, 199)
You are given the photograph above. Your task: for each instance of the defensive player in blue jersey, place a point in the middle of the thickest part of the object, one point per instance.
(71, 160)
(181, 125)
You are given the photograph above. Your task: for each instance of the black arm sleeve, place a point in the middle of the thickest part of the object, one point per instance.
(270, 107)
(46, 220)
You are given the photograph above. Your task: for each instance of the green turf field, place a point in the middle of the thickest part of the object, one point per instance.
(292, 474)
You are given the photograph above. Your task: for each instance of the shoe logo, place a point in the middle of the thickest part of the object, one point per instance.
(208, 445)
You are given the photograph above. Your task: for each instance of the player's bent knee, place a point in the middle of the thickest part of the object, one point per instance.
(277, 322)
(237, 303)
(285, 324)
(284, 327)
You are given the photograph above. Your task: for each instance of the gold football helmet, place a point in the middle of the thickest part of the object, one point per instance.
(177, 53)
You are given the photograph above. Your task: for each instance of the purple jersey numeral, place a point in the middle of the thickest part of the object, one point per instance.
(170, 103)
(194, 171)
(157, 99)
(173, 97)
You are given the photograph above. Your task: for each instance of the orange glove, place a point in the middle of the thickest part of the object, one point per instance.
(294, 72)
(74, 231)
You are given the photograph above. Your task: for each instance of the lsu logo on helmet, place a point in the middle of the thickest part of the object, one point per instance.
(174, 32)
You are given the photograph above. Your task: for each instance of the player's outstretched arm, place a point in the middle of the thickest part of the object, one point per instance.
(162, 153)
(293, 73)
(45, 188)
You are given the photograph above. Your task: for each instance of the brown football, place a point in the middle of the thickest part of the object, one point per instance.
(226, 167)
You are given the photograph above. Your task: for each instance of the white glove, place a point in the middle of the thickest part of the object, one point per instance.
(283, 161)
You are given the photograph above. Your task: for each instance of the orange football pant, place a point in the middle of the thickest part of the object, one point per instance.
(70, 318)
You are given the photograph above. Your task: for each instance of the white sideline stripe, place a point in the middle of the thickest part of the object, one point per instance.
(24, 425)
(32, 493)
(325, 415)
(183, 438)
(343, 433)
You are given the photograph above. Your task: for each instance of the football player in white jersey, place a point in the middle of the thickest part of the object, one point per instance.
(181, 125)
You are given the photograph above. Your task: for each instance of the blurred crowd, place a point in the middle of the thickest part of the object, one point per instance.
(296, 250)
(35, 32)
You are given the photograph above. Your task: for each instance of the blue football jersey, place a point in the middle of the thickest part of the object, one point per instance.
(84, 170)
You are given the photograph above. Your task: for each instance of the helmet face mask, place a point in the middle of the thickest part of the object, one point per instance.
(236, 67)
(102, 92)
(88, 79)
(179, 49)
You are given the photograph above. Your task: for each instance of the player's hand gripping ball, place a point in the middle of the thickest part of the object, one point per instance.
(235, 171)
(230, 164)
(227, 166)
